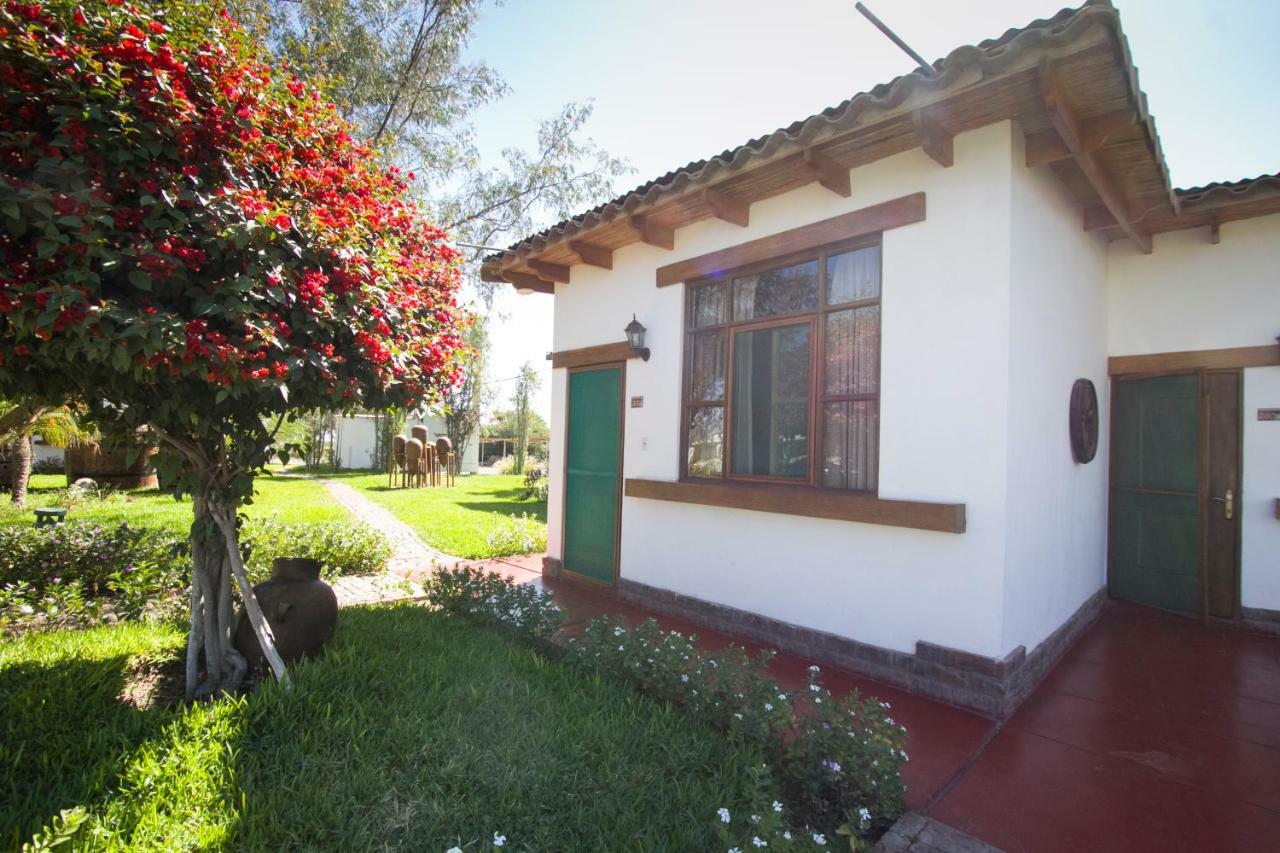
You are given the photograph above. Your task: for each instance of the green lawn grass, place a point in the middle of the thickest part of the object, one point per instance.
(414, 731)
(455, 520)
(294, 500)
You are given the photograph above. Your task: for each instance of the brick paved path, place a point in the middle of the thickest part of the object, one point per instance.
(409, 554)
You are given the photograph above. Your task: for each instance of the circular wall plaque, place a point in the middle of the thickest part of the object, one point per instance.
(1083, 421)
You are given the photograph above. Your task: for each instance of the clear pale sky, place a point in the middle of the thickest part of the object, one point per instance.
(680, 80)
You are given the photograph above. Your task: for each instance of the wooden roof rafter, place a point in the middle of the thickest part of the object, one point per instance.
(1072, 132)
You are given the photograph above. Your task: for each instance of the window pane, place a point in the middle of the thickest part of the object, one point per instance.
(780, 291)
(710, 308)
(852, 351)
(706, 442)
(850, 453)
(853, 275)
(771, 401)
(707, 370)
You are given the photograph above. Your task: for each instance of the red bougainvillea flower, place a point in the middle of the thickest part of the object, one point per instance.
(186, 225)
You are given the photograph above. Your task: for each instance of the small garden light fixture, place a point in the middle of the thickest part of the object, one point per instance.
(635, 337)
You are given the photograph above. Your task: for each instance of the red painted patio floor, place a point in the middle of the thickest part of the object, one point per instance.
(1153, 733)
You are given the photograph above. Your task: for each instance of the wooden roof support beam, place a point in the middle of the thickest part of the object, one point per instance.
(525, 283)
(1069, 131)
(653, 233)
(1047, 146)
(934, 138)
(554, 272)
(828, 172)
(729, 208)
(1215, 233)
(596, 256)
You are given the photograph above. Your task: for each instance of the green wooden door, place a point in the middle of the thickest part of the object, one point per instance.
(1155, 492)
(592, 471)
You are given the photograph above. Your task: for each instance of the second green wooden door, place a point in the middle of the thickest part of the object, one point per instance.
(1155, 492)
(592, 473)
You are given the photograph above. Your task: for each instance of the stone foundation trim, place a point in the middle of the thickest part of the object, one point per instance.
(1260, 619)
(990, 686)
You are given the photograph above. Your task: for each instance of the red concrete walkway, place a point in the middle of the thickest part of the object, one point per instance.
(1153, 733)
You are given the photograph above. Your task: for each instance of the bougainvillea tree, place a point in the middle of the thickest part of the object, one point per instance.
(191, 239)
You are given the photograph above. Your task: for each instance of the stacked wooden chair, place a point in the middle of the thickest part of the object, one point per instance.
(417, 461)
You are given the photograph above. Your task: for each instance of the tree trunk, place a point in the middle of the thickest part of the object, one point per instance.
(21, 469)
(212, 616)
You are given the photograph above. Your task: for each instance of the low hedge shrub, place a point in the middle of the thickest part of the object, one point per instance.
(494, 600)
(80, 573)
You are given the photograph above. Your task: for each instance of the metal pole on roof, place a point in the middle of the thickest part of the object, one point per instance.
(893, 37)
(482, 248)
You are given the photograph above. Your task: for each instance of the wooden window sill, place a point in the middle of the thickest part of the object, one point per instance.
(806, 501)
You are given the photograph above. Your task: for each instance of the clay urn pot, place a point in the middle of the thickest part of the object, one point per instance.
(301, 609)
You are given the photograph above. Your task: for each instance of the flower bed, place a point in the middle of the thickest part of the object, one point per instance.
(835, 761)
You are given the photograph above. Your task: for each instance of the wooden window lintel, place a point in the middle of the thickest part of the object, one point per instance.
(868, 220)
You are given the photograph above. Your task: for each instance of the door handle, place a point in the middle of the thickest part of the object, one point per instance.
(1228, 502)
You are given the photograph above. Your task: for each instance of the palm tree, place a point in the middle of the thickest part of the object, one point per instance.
(20, 420)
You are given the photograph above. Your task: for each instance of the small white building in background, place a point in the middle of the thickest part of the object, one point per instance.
(357, 439)
(927, 376)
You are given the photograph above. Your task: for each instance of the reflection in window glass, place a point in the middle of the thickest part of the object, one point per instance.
(850, 434)
(853, 275)
(771, 402)
(707, 374)
(706, 442)
(781, 291)
(852, 353)
(710, 308)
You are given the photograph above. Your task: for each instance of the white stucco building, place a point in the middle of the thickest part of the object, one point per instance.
(356, 441)
(860, 429)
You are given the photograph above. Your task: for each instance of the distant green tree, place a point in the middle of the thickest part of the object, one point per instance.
(527, 382)
(465, 400)
(503, 425)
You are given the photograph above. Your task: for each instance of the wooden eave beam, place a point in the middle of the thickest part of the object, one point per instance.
(596, 256)
(1069, 131)
(553, 272)
(934, 138)
(829, 173)
(525, 281)
(729, 208)
(1047, 146)
(653, 233)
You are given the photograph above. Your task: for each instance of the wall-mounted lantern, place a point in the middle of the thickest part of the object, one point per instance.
(635, 337)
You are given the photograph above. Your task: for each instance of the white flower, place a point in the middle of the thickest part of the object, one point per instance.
(755, 818)
(735, 850)
(737, 716)
(864, 815)
(814, 668)
(758, 841)
(786, 833)
(777, 806)
(454, 850)
(685, 678)
(768, 707)
(724, 815)
(815, 688)
(499, 840)
(619, 648)
(819, 839)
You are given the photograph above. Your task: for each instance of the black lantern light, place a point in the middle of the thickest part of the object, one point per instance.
(635, 337)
